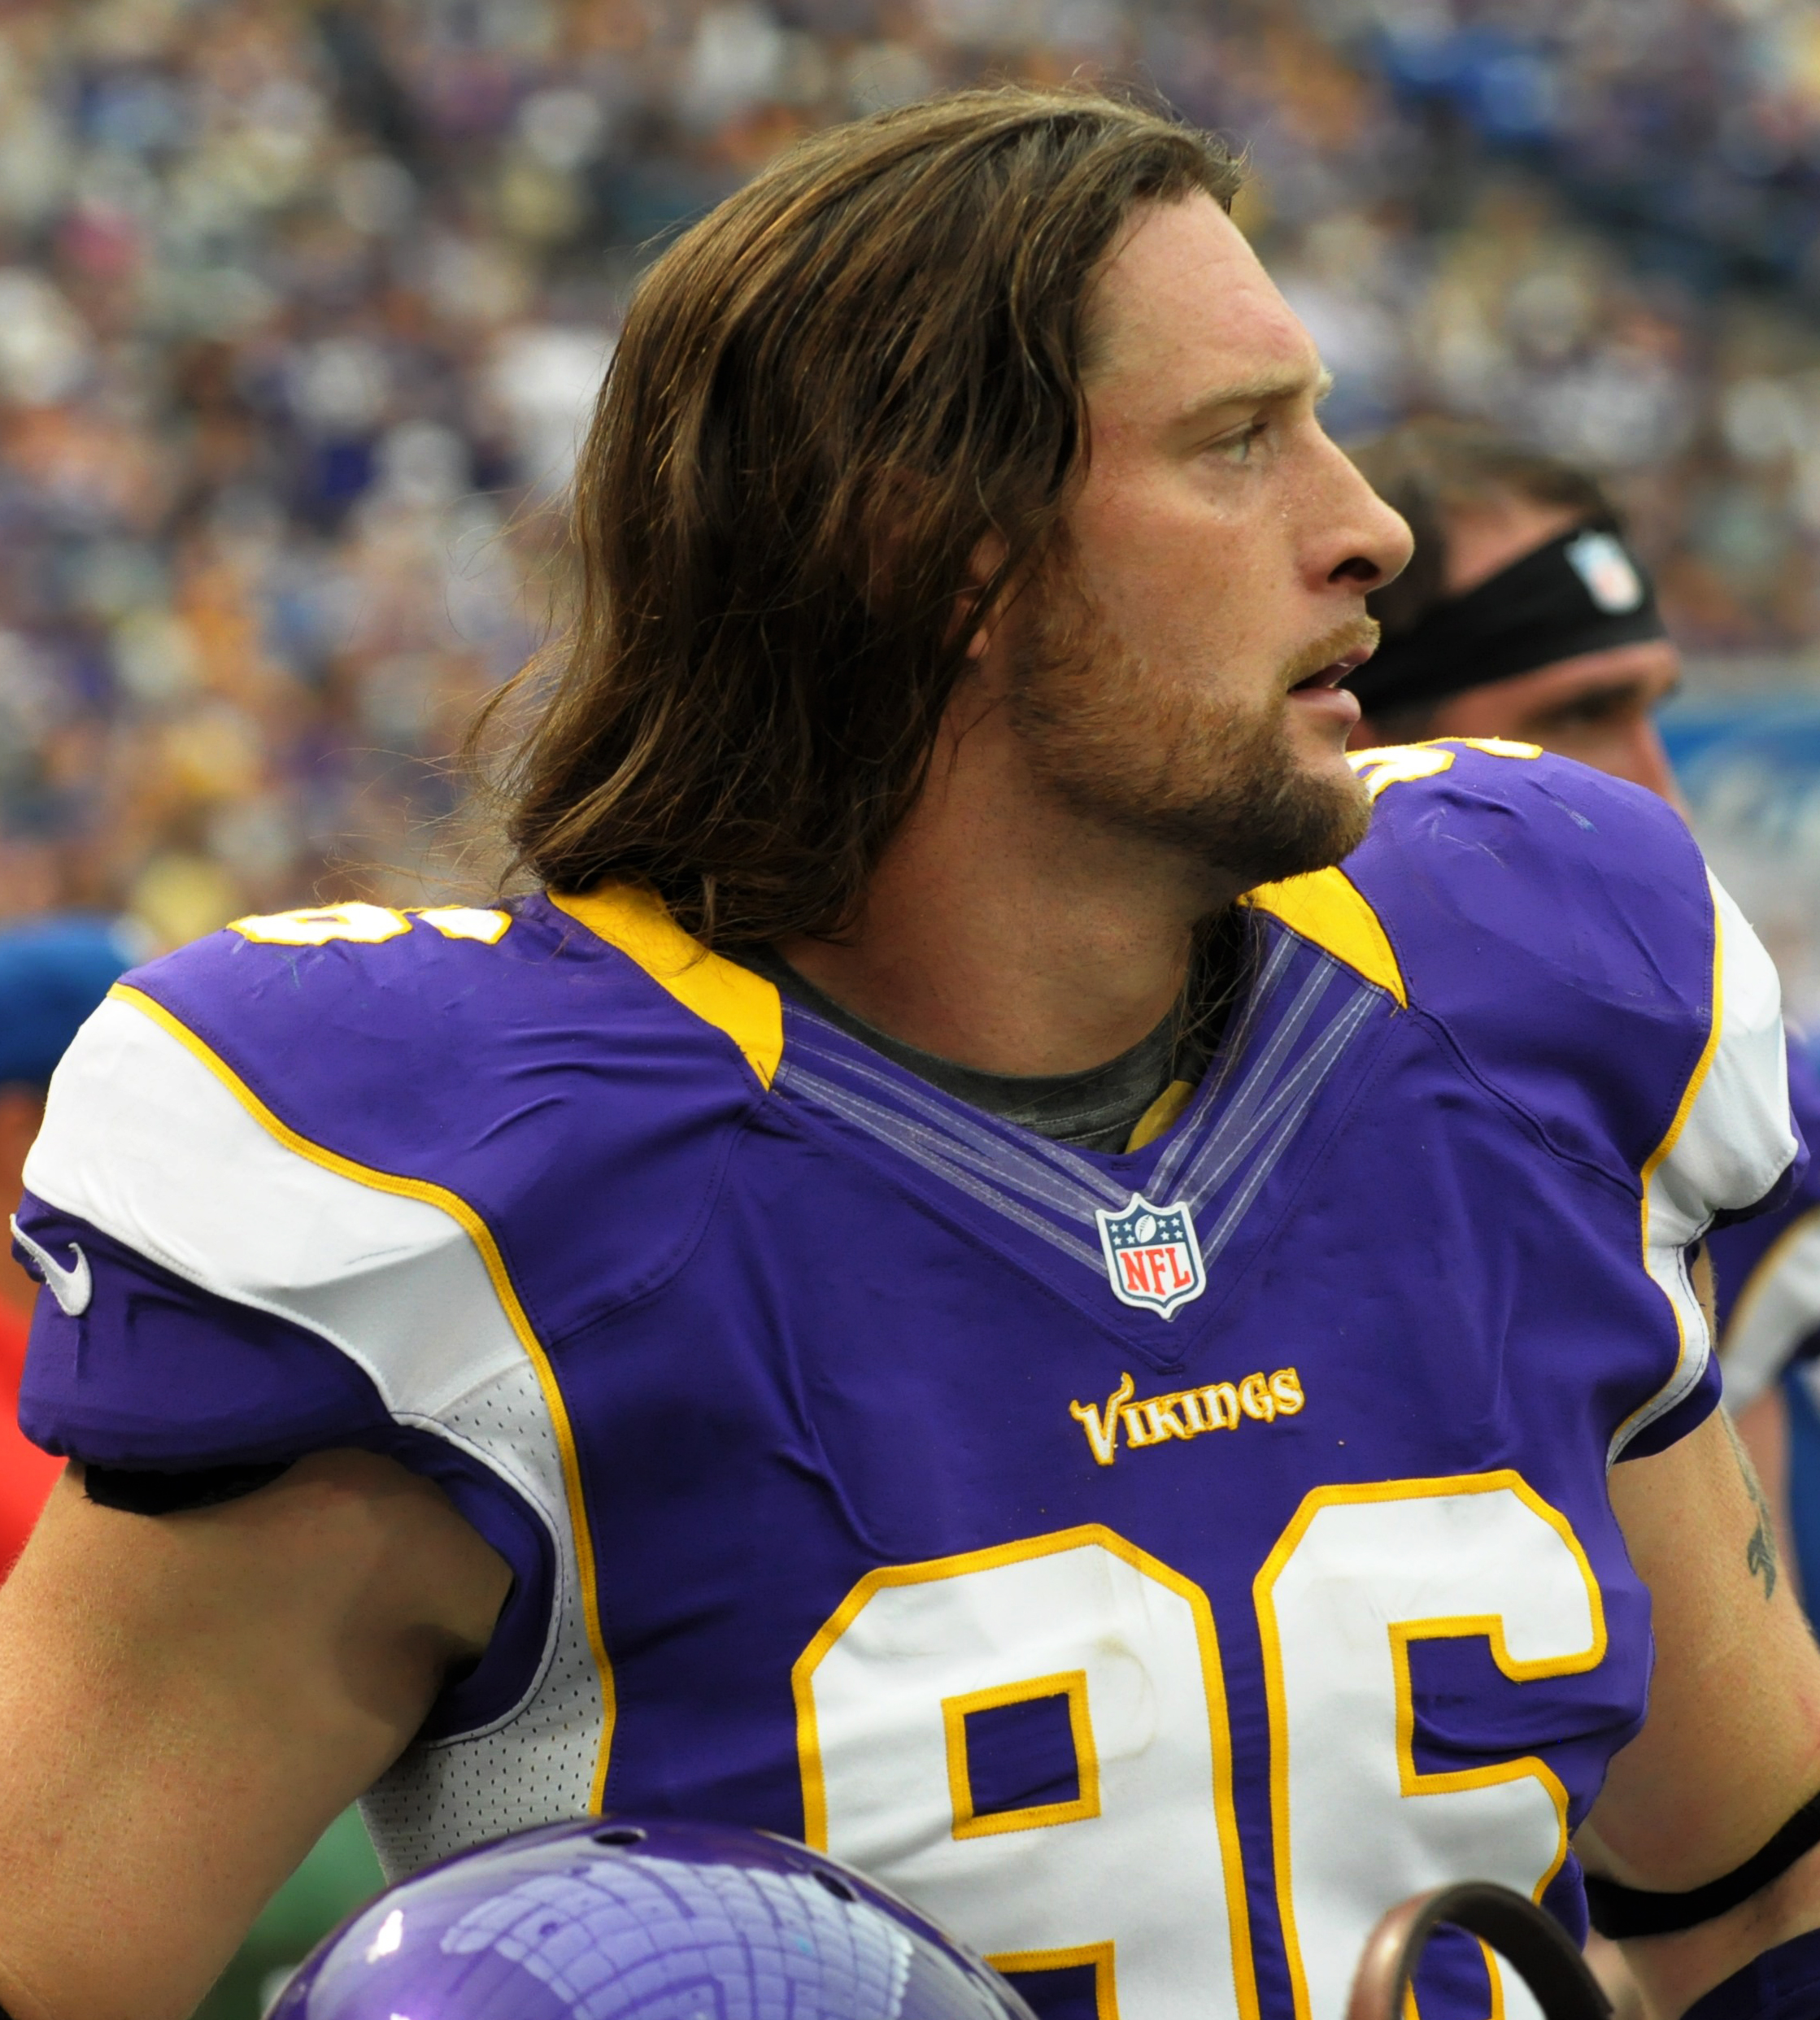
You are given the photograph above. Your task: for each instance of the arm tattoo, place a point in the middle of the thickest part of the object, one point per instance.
(1761, 1560)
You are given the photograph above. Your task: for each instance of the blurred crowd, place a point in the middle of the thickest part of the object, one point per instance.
(302, 306)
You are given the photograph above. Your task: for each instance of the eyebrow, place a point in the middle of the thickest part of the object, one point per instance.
(1268, 385)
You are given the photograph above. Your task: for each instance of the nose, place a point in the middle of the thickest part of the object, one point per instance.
(1366, 541)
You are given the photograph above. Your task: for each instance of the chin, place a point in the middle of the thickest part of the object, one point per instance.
(1273, 822)
(1313, 818)
(1318, 739)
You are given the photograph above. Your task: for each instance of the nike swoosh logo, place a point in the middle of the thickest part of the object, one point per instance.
(72, 1288)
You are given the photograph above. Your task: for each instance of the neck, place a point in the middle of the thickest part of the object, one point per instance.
(1005, 930)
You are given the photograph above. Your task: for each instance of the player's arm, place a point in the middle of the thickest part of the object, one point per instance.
(1732, 1748)
(186, 1701)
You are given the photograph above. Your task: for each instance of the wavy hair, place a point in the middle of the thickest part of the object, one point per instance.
(825, 396)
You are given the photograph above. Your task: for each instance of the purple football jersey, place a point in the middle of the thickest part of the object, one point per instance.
(1766, 1270)
(1154, 1566)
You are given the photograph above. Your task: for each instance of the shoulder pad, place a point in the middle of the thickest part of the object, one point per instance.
(517, 1070)
(1561, 928)
(1561, 931)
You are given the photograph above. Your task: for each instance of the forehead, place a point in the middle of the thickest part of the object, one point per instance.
(1183, 308)
(1484, 539)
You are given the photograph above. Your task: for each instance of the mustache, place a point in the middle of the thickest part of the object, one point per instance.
(1360, 635)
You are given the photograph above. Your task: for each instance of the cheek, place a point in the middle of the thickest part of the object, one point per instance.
(1171, 574)
(1623, 750)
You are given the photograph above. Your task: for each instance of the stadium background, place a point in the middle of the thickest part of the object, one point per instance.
(301, 307)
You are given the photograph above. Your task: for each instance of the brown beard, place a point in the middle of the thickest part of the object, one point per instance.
(1195, 773)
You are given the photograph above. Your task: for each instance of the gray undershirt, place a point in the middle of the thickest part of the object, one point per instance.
(1096, 1110)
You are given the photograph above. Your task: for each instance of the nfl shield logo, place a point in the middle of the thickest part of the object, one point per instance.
(1153, 1258)
(1610, 575)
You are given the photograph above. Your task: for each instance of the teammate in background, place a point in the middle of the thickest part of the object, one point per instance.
(884, 1302)
(1522, 614)
(53, 973)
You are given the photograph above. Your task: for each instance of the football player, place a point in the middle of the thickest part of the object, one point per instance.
(1524, 614)
(949, 1284)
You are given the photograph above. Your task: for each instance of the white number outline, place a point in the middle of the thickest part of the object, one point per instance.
(1403, 764)
(1099, 1955)
(1410, 1779)
(359, 924)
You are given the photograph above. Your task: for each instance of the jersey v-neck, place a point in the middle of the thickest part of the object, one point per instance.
(1291, 1037)
(1299, 1041)
(1096, 1109)
(1100, 1109)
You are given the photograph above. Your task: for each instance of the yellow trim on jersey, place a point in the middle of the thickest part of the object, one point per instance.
(1494, 1970)
(1403, 764)
(1689, 1095)
(1071, 1684)
(1099, 1955)
(481, 1236)
(1411, 1781)
(1162, 1114)
(720, 992)
(1085, 1536)
(1327, 908)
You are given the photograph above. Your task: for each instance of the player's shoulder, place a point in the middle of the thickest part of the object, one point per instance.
(1489, 860)
(1559, 925)
(467, 999)
(1489, 863)
(473, 1055)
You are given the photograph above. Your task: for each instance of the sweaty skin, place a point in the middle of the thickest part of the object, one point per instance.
(186, 1701)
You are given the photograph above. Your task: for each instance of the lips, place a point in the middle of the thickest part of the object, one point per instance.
(1331, 675)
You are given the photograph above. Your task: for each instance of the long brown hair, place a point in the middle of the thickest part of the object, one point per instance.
(825, 396)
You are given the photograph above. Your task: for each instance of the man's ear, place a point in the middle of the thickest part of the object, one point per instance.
(987, 558)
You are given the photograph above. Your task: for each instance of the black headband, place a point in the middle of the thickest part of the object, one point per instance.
(1582, 593)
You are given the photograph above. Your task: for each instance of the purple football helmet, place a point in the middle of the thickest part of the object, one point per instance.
(610, 1918)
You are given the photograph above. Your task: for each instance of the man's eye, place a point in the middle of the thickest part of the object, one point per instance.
(1589, 712)
(1237, 448)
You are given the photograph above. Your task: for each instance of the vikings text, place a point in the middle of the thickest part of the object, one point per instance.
(1185, 1413)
